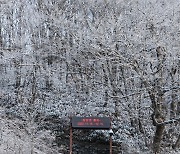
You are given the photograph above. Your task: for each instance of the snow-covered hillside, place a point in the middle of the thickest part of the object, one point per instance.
(115, 58)
(16, 137)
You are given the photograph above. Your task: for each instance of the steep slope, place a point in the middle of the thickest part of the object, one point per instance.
(115, 58)
(16, 137)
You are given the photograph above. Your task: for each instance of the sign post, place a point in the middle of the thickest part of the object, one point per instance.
(103, 123)
(110, 134)
(110, 151)
(70, 148)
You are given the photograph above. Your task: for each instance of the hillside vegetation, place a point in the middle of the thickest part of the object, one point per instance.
(114, 58)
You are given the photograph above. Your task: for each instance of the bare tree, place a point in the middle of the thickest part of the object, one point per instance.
(114, 58)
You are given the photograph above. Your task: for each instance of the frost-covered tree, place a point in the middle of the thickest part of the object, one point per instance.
(115, 58)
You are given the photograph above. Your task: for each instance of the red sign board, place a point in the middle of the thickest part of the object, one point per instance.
(90, 122)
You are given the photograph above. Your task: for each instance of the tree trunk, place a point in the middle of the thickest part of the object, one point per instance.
(157, 138)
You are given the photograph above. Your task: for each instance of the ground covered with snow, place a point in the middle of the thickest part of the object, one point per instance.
(16, 138)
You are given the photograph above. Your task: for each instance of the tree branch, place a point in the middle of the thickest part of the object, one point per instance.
(167, 122)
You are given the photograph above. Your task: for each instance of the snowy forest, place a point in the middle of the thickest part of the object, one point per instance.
(103, 58)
